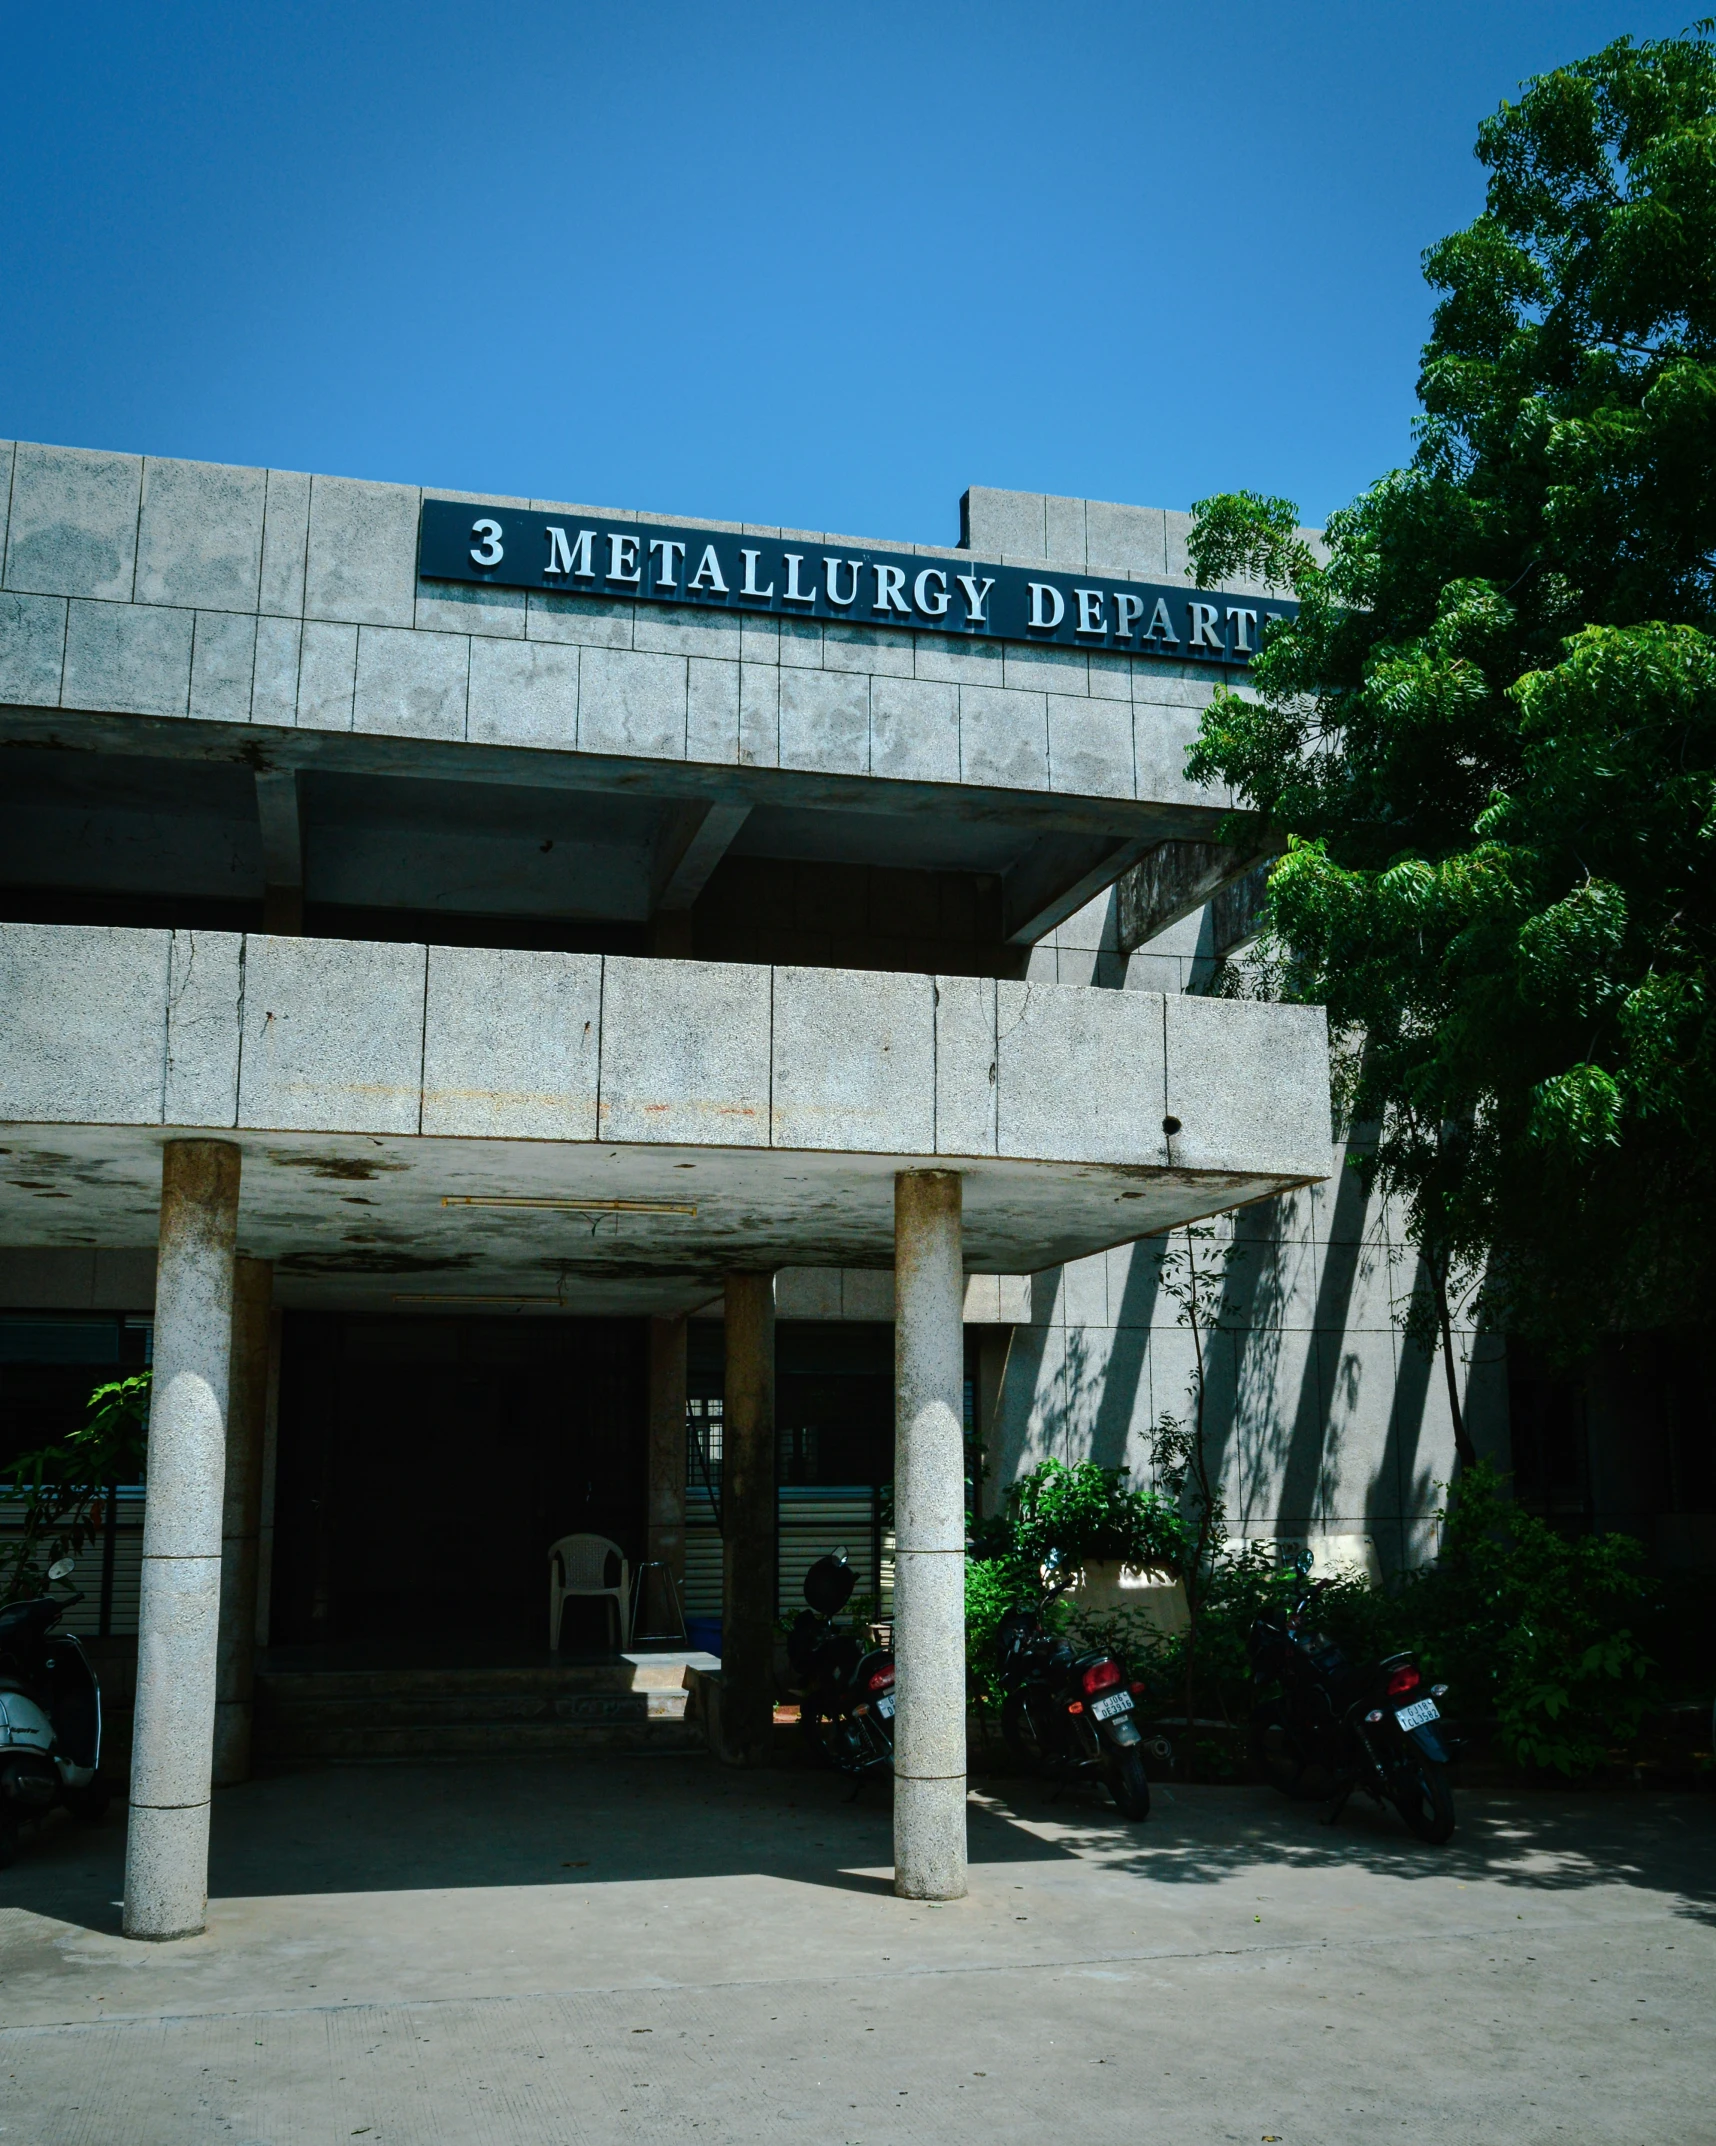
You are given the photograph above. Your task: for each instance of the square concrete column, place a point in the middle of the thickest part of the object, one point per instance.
(748, 1522)
(666, 1541)
(178, 1619)
(246, 1421)
(929, 1532)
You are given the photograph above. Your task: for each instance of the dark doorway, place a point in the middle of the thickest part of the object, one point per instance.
(426, 1465)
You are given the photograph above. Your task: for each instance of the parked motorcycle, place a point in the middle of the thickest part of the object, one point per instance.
(50, 1716)
(846, 1691)
(1330, 1725)
(1068, 1711)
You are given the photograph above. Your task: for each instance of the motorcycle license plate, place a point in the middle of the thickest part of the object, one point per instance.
(1418, 1713)
(1117, 1702)
(885, 1706)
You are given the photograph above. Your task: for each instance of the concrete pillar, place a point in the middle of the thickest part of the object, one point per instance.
(666, 1542)
(270, 1477)
(929, 1528)
(246, 1422)
(178, 1624)
(748, 1522)
(993, 1345)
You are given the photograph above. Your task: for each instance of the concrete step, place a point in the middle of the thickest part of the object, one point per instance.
(452, 1740)
(631, 1704)
(492, 1709)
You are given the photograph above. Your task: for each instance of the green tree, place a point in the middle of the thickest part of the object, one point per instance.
(1489, 734)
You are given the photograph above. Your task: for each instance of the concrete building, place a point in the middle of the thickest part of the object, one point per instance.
(487, 984)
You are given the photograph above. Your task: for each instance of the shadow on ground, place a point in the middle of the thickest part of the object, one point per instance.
(496, 1823)
(1542, 1842)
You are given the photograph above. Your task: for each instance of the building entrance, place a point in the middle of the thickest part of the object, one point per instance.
(426, 1465)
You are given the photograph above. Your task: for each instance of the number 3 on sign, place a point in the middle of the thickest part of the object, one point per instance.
(488, 552)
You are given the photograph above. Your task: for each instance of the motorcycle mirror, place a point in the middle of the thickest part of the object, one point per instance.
(61, 1569)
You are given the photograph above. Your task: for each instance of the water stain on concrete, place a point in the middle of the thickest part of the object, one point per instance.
(345, 1169)
(381, 1260)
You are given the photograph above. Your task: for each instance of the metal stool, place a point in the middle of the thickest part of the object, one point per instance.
(656, 1564)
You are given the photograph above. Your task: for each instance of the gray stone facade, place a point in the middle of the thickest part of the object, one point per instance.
(902, 944)
(179, 589)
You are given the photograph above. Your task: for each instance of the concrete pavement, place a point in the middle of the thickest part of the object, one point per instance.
(553, 1950)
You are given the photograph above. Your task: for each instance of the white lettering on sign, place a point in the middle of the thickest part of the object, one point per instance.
(947, 592)
(976, 596)
(708, 574)
(570, 559)
(891, 590)
(931, 605)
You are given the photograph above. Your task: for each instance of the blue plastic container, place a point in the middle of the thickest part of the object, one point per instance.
(704, 1635)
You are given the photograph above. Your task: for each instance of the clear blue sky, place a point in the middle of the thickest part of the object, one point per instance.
(807, 265)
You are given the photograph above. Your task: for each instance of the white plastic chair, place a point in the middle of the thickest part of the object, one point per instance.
(578, 1565)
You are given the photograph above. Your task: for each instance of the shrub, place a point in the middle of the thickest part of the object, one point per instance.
(1534, 1630)
(1534, 1627)
(1079, 1515)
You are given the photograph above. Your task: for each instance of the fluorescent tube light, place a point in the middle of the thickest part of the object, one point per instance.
(581, 1207)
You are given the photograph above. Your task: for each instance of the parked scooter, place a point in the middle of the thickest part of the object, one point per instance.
(846, 1692)
(1333, 1725)
(50, 1717)
(1068, 1711)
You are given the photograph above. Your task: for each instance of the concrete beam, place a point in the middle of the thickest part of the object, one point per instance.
(556, 767)
(362, 1038)
(1054, 879)
(281, 821)
(691, 846)
(1174, 878)
(1236, 912)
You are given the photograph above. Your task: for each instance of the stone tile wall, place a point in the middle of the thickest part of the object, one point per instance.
(1328, 1421)
(166, 588)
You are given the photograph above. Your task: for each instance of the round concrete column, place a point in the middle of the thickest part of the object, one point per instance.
(241, 1527)
(748, 1522)
(167, 1846)
(929, 1530)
